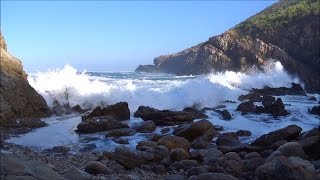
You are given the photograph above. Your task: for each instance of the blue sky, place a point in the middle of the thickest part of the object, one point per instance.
(111, 35)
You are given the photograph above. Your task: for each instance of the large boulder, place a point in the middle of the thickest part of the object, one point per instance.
(121, 132)
(228, 139)
(217, 176)
(173, 142)
(120, 111)
(288, 133)
(246, 107)
(288, 149)
(99, 124)
(18, 100)
(127, 157)
(18, 165)
(293, 168)
(315, 110)
(74, 173)
(179, 154)
(200, 131)
(95, 167)
(311, 146)
(164, 118)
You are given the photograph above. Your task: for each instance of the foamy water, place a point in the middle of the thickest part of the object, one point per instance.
(161, 91)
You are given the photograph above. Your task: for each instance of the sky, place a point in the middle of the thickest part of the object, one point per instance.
(113, 35)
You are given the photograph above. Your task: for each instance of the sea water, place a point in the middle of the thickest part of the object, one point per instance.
(161, 91)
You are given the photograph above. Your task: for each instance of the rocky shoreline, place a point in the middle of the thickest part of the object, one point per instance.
(193, 150)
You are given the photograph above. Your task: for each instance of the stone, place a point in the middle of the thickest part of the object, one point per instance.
(311, 146)
(119, 140)
(228, 139)
(179, 154)
(121, 132)
(252, 155)
(217, 176)
(253, 163)
(242, 133)
(100, 124)
(173, 142)
(143, 144)
(288, 133)
(127, 157)
(95, 167)
(120, 111)
(246, 107)
(184, 164)
(175, 177)
(197, 113)
(315, 110)
(146, 127)
(288, 149)
(313, 132)
(57, 149)
(199, 170)
(231, 163)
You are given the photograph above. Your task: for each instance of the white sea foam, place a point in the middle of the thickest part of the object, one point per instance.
(67, 85)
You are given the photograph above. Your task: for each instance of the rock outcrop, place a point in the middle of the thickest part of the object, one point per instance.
(287, 31)
(18, 99)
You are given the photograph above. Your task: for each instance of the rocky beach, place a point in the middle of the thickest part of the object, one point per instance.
(242, 105)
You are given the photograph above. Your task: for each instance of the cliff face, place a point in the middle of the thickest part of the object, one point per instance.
(287, 31)
(18, 100)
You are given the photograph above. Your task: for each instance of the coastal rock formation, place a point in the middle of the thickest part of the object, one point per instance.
(287, 31)
(18, 99)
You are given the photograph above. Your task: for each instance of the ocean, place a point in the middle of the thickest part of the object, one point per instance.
(160, 91)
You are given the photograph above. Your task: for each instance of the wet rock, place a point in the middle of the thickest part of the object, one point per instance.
(226, 115)
(231, 163)
(252, 155)
(211, 155)
(277, 144)
(253, 163)
(121, 132)
(146, 127)
(156, 168)
(203, 130)
(156, 137)
(312, 98)
(120, 111)
(165, 130)
(74, 173)
(310, 133)
(77, 108)
(184, 164)
(286, 168)
(197, 113)
(239, 148)
(276, 109)
(315, 110)
(246, 107)
(127, 157)
(100, 124)
(311, 146)
(95, 167)
(179, 154)
(143, 144)
(119, 140)
(30, 123)
(164, 118)
(58, 149)
(267, 101)
(199, 170)
(173, 142)
(288, 133)
(88, 147)
(200, 142)
(228, 139)
(218, 128)
(207, 176)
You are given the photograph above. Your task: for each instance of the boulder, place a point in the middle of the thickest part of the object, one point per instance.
(173, 142)
(95, 167)
(199, 170)
(74, 173)
(253, 163)
(184, 164)
(288, 149)
(121, 132)
(144, 144)
(120, 111)
(246, 107)
(311, 146)
(175, 177)
(252, 155)
(239, 148)
(228, 139)
(99, 124)
(242, 133)
(276, 109)
(164, 118)
(313, 132)
(231, 163)
(288, 133)
(128, 157)
(146, 127)
(292, 168)
(197, 113)
(179, 154)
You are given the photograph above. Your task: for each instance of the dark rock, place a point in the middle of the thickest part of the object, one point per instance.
(199, 170)
(200, 142)
(253, 163)
(95, 167)
(228, 139)
(179, 154)
(143, 144)
(164, 118)
(310, 133)
(120, 111)
(226, 115)
(119, 140)
(121, 132)
(173, 142)
(242, 133)
(311, 146)
(268, 101)
(315, 110)
(77, 108)
(127, 157)
(202, 128)
(197, 113)
(156, 168)
(252, 155)
(211, 155)
(266, 153)
(288, 133)
(312, 98)
(88, 147)
(147, 68)
(30, 123)
(100, 124)
(276, 109)
(232, 163)
(277, 144)
(286, 168)
(146, 127)
(184, 164)
(74, 173)
(217, 176)
(175, 177)
(239, 148)
(246, 107)
(165, 130)
(156, 137)
(218, 128)
(58, 149)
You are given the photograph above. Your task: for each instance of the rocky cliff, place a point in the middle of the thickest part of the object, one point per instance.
(18, 100)
(287, 31)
